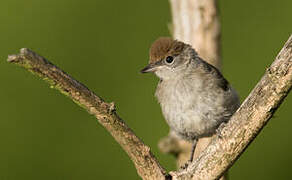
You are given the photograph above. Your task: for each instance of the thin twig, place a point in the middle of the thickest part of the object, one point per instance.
(146, 164)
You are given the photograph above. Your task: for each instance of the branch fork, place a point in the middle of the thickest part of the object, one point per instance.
(220, 154)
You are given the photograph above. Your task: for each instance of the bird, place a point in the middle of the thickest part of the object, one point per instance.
(194, 96)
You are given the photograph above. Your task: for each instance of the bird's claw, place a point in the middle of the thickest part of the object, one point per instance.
(186, 165)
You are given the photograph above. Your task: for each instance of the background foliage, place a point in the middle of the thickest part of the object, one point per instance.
(104, 44)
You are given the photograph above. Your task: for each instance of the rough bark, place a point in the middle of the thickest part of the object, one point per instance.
(146, 164)
(197, 23)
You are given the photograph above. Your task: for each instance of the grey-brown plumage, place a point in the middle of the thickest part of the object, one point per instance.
(194, 96)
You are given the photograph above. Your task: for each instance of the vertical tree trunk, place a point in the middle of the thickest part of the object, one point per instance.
(195, 22)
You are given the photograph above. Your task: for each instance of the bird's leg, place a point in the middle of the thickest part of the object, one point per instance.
(193, 150)
(192, 154)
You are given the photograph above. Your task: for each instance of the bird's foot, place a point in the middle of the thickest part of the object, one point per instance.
(186, 165)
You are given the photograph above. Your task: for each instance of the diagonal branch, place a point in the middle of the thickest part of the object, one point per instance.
(246, 123)
(146, 164)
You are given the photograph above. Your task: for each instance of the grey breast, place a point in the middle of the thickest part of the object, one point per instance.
(197, 103)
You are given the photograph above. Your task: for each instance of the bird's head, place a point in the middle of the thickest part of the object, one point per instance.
(168, 57)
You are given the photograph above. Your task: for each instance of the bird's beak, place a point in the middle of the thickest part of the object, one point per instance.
(148, 68)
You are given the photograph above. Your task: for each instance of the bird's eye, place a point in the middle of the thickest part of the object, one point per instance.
(169, 59)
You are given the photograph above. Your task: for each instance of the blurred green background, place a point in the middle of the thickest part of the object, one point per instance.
(104, 44)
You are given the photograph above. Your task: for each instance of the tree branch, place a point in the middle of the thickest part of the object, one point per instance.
(146, 164)
(246, 123)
